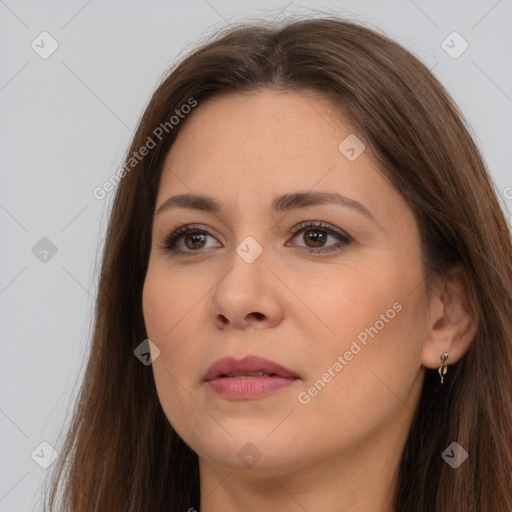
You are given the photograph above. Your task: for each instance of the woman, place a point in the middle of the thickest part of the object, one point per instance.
(307, 247)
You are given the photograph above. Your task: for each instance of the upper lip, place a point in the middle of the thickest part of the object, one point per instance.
(248, 364)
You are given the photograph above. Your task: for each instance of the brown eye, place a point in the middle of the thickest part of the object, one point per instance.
(316, 235)
(194, 239)
(191, 239)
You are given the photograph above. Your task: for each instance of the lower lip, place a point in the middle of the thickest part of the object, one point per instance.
(234, 388)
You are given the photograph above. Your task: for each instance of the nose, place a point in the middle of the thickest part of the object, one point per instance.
(248, 295)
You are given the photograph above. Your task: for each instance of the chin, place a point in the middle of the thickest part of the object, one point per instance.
(250, 454)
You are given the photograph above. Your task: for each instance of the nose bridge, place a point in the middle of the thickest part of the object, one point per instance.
(248, 292)
(246, 277)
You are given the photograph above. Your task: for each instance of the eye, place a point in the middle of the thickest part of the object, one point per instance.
(316, 235)
(193, 238)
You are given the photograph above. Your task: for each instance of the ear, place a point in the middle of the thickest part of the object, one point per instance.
(453, 319)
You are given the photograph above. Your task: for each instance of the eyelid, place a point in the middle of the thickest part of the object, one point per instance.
(312, 224)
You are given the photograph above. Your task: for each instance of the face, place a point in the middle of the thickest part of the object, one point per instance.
(329, 290)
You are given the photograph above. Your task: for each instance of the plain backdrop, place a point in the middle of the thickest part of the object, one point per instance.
(66, 121)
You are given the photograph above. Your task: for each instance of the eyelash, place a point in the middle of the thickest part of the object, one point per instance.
(170, 241)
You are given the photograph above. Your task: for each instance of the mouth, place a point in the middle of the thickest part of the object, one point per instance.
(248, 366)
(249, 377)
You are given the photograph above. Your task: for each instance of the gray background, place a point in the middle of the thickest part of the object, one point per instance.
(65, 123)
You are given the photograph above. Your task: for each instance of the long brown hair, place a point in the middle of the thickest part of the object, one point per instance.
(121, 453)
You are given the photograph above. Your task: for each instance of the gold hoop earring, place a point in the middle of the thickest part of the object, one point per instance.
(443, 369)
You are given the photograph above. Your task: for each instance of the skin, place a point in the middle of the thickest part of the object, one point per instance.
(341, 450)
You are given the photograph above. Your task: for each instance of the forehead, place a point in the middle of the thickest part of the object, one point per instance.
(266, 143)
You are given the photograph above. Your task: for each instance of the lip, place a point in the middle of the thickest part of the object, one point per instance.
(243, 388)
(248, 364)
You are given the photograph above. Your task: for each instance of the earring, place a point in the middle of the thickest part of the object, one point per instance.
(443, 369)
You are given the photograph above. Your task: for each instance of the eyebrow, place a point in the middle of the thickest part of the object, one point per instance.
(284, 203)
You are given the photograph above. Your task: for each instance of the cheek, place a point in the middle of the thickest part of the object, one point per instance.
(374, 383)
(165, 304)
(167, 320)
(161, 313)
(169, 312)
(353, 297)
(151, 303)
(370, 318)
